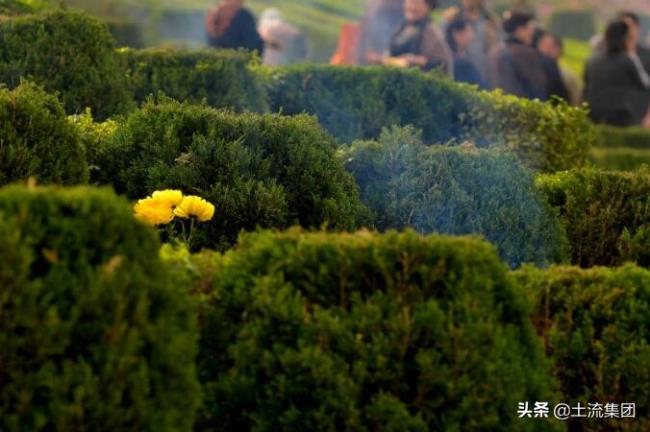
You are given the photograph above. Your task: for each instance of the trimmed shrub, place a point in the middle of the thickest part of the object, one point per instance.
(15, 7)
(69, 53)
(356, 103)
(574, 24)
(37, 140)
(631, 137)
(606, 214)
(93, 335)
(222, 78)
(258, 170)
(323, 332)
(93, 135)
(596, 329)
(619, 158)
(456, 191)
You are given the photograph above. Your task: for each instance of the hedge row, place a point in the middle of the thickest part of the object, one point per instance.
(310, 331)
(93, 334)
(624, 149)
(595, 326)
(606, 214)
(354, 103)
(456, 190)
(223, 79)
(260, 170)
(37, 140)
(68, 53)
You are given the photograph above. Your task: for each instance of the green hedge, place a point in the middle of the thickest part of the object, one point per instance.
(222, 78)
(93, 335)
(356, 103)
(69, 53)
(631, 137)
(394, 332)
(36, 139)
(606, 214)
(575, 24)
(258, 170)
(16, 7)
(456, 191)
(596, 329)
(93, 136)
(619, 158)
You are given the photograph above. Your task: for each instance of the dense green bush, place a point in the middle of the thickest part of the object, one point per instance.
(36, 139)
(631, 137)
(93, 135)
(606, 214)
(14, 7)
(222, 78)
(575, 24)
(456, 191)
(596, 329)
(93, 335)
(356, 103)
(66, 52)
(258, 170)
(619, 158)
(363, 332)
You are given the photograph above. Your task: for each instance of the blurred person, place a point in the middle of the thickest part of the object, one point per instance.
(284, 43)
(417, 43)
(552, 46)
(485, 26)
(515, 66)
(381, 20)
(230, 25)
(614, 77)
(460, 35)
(642, 53)
(554, 83)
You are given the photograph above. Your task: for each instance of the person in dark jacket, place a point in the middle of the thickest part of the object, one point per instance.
(516, 67)
(613, 78)
(229, 25)
(555, 85)
(460, 35)
(381, 19)
(417, 43)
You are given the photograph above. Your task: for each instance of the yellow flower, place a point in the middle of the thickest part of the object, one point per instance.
(194, 206)
(153, 211)
(169, 196)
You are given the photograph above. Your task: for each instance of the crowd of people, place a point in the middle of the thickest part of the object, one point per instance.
(512, 53)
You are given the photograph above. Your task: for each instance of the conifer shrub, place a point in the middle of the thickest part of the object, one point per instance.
(36, 139)
(606, 214)
(221, 78)
(94, 336)
(69, 53)
(595, 325)
(356, 103)
(456, 190)
(258, 170)
(322, 332)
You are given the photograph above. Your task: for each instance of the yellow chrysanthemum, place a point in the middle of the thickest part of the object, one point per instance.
(153, 211)
(194, 206)
(169, 196)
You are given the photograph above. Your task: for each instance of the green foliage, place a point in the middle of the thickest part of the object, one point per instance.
(93, 135)
(356, 103)
(571, 23)
(222, 78)
(619, 158)
(630, 137)
(94, 336)
(258, 170)
(36, 139)
(15, 7)
(362, 332)
(596, 329)
(66, 52)
(456, 191)
(605, 214)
